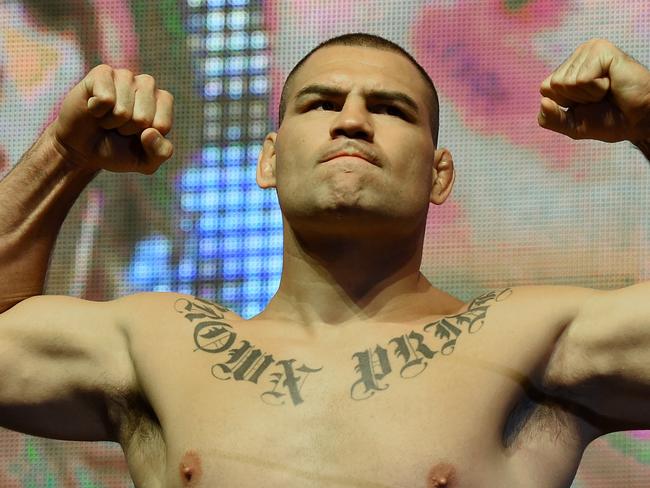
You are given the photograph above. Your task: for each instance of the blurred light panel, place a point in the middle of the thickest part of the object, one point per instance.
(232, 246)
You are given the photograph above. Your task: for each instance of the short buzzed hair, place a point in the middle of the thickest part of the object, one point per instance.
(377, 42)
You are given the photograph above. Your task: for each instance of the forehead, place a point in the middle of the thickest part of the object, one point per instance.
(364, 68)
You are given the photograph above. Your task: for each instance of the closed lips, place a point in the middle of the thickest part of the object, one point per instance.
(354, 152)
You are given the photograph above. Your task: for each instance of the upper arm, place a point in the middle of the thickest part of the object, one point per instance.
(601, 361)
(64, 361)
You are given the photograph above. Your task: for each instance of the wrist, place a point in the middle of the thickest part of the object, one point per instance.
(71, 160)
(34, 199)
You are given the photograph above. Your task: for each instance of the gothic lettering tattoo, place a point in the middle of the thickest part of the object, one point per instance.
(241, 360)
(413, 351)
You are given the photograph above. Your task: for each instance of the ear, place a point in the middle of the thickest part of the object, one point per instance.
(443, 176)
(265, 176)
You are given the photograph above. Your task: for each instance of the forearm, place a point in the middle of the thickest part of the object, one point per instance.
(34, 200)
(103, 125)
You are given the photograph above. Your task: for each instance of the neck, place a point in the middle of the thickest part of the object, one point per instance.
(332, 281)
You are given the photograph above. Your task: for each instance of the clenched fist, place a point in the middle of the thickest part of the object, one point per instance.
(116, 121)
(598, 93)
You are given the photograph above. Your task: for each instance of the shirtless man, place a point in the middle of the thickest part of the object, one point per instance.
(359, 373)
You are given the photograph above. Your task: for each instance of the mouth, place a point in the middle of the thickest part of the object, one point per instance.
(348, 156)
(351, 153)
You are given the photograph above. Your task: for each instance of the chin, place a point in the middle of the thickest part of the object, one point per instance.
(345, 222)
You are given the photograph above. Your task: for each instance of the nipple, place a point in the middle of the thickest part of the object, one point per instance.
(442, 475)
(190, 468)
(187, 472)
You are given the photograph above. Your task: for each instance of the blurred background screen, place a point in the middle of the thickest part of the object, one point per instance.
(529, 207)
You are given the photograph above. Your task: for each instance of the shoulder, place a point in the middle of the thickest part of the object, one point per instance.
(525, 323)
(543, 300)
(156, 309)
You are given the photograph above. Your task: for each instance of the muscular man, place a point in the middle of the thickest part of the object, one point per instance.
(359, 373)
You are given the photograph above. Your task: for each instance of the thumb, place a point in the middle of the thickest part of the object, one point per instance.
(157, 149)
(553, 117)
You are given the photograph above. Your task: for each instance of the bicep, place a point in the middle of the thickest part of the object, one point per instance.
(63, 361)
(602, 360)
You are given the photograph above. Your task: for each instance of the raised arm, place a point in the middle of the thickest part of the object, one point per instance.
(600, 93)
(111, 120)
(601, 361)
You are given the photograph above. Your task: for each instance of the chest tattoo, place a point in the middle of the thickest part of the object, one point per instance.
(239, 359)
(405, 356)
(409, 354)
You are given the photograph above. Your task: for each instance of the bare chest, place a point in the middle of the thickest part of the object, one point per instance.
(403, 408)
(407, 436)
(226, 435)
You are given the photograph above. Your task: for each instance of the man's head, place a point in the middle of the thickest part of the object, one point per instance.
(356, 148)
(371, 41)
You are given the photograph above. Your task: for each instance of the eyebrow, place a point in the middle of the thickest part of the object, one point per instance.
(383, 95)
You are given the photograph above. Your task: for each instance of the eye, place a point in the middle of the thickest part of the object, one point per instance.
(387, 109)
(322, 105)
(390, 110)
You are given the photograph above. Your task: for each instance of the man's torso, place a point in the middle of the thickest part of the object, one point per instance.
(228, 402)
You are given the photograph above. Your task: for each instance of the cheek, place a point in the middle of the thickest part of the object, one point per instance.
(297, 149)
(290, 138)
(415, 163)
(289, 167)
(414, 158)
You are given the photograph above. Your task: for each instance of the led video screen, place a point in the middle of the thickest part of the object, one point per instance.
(528, 207)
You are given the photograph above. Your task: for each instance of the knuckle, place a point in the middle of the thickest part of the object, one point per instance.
(163, 126)
(120, 112)
(105, 99)
(124, 73)
(555, 82)
(167, 95)
(145, 80)
(600, 44)
(102, 68)
(142, 121)
(545, 86)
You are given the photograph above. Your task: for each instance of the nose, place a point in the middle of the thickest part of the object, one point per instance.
(353, 121)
